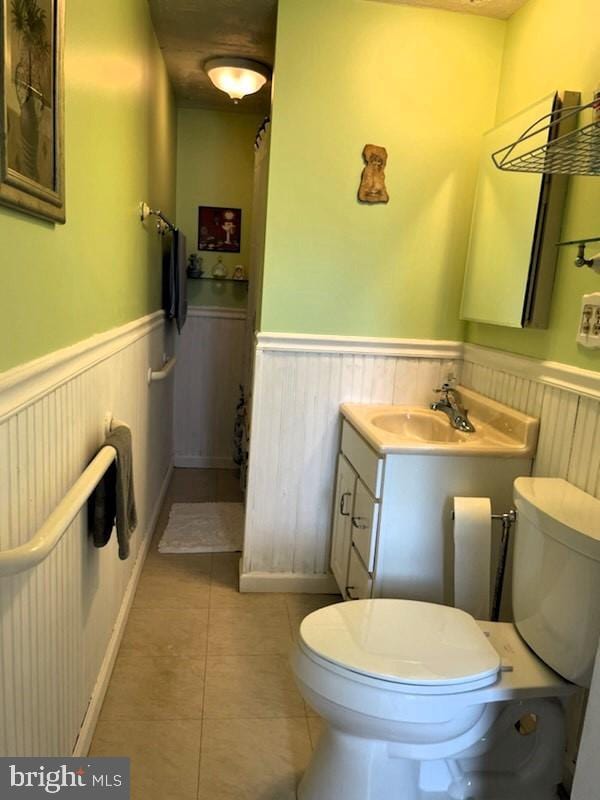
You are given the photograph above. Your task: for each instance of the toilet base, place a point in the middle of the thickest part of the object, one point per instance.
(347, 767)
(355, 768)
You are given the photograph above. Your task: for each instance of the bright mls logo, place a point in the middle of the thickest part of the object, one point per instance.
(71, 778)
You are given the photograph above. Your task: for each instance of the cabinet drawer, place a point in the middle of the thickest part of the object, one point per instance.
(364, 460)
(365, 516)
(359, 581)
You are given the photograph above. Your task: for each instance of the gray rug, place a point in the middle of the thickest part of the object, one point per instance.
(204, 528)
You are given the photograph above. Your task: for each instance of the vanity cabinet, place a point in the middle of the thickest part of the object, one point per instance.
(392, 525)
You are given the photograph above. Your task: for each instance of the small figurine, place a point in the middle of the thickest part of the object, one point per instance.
(372, 183)
(194, 267)
(219, 270)
(239, 274)
(229, 226)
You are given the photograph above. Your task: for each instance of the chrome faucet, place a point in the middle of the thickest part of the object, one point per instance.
(450, 404)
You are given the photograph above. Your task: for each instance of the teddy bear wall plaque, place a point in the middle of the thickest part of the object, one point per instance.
(372, 183)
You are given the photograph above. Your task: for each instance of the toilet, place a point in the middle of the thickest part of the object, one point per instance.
(423, 702)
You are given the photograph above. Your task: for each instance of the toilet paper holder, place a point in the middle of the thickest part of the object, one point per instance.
(507, 519)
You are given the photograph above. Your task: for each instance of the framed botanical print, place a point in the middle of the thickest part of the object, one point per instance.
(31, 107)
(219, 229)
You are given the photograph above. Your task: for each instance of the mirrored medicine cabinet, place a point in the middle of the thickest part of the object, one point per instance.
(515, 227)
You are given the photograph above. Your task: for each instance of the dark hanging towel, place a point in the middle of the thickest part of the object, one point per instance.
(113, 500)
(175, 280)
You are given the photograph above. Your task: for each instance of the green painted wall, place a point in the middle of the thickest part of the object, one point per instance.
(424, 84)
(552, 45)
(215, 167)
(101, 269)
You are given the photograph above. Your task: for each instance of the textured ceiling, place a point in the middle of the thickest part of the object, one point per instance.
(502, 9)
(192, 31)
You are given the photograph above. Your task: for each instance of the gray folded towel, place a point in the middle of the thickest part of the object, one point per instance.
(180, 265)
(114, 499)
(175, 279)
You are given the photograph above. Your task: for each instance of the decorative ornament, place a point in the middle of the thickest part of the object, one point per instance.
(372, 183)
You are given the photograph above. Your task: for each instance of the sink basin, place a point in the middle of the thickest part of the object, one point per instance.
(424, 426)
(499, 429)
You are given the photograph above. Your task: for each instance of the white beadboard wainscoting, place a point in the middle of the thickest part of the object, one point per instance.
(299, 383)
(61, 621)
(210, 356)
(566, 400)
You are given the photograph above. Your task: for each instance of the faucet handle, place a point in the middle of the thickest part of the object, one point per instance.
(448, 384)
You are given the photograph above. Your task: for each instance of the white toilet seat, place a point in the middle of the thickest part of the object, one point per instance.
(410, 690)
(423, 647)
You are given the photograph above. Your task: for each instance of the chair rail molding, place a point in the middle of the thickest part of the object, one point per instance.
(23, 385)
(359, 345)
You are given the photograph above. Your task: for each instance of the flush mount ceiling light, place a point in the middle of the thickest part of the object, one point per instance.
(237, 77)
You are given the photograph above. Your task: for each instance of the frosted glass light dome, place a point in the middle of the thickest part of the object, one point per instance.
(237, 77)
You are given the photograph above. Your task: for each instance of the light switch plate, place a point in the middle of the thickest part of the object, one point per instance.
(588, 334)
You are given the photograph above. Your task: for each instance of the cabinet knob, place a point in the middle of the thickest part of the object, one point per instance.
(343, 511)
(349, 593)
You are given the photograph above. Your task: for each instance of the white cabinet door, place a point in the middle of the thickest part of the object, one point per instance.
(341, 536)
(360, 582)
(365, 515)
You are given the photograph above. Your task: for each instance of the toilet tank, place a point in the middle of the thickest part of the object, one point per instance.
(556, 576)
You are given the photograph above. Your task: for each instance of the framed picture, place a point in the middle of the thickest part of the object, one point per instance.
(219, 229)
(31, 107)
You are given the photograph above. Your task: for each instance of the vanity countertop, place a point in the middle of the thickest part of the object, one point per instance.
(499, 430)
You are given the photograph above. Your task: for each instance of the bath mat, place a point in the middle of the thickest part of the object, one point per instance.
(203, 528)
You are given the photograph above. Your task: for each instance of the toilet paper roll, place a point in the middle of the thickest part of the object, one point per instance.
(472, 555)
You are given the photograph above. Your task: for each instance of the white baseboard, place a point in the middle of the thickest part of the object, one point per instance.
(204, 462)
(288, 582)
(88, 726)
(216, 312)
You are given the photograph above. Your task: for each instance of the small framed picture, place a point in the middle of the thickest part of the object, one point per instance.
(219, 229)
(31, 107)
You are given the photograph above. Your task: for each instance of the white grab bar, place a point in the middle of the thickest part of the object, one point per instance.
(163, 373)
(49, 535)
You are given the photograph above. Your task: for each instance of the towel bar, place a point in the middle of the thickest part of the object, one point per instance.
(163, 225)
(163, 373)
(28, 555)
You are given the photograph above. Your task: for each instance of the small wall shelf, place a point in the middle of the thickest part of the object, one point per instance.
(568, 150)
(218, 280)
(581, 260)
(579, 241)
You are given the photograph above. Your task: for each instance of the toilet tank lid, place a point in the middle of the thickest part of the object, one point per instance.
(561, 510)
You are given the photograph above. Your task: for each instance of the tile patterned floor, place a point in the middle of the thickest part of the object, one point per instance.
(202, 698)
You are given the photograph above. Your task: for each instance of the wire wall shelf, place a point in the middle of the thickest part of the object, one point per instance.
(574, 153)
